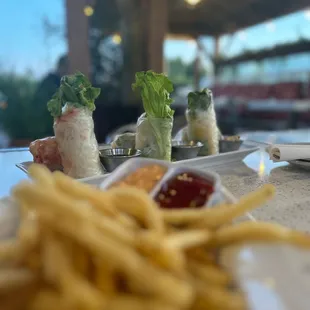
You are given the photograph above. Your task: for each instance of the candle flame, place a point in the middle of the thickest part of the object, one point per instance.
(262, 168)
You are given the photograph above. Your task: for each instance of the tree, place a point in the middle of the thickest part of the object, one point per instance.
(17, 116)
(107, 57)
(181, 72)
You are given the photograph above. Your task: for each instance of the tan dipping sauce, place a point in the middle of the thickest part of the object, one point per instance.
(143, 178)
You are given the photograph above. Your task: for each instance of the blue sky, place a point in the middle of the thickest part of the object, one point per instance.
(24, 45)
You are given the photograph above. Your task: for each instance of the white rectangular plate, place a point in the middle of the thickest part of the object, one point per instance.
(91, 180)
(214, 160)
(24, 166)
(198, 162)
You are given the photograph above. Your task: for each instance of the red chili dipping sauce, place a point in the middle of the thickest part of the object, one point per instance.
(186, 190)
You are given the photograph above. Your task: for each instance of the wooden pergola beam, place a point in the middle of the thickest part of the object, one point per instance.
(279, 50)
(157, 29)
(144, 27)
(218, 17)
(77, 37)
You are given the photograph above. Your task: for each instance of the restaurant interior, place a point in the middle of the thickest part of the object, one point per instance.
(109, 41)
(155, 155)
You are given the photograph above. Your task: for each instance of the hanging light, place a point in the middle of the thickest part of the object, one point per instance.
(117, 39)
(192, 2)
(88, 10)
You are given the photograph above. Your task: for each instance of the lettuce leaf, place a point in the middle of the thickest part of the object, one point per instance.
(75, 90)
(199, 100)
(155, 90)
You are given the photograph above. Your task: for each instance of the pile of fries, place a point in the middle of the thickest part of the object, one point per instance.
(80, 248)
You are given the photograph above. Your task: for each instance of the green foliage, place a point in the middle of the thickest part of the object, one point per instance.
(17, 118)
(155, 89)
(199, 100)
(76, 90)
(181, 72)
(107, 57)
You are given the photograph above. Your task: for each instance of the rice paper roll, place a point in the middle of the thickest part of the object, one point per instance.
(126, 140)
(154, 127)
(183, 135)
(72, 107)
(154, 136)
(77, 144)
(201, 120)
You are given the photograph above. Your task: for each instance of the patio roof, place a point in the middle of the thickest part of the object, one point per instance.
(209, 17)
(217, 17)
(284, 49)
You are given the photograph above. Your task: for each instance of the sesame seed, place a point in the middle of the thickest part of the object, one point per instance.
(161, 196)
(173, 192)
(192, 204)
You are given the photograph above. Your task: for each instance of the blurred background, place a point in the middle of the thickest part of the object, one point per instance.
(253, 54)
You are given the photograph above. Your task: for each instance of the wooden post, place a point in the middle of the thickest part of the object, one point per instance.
(77, 35)
(144, 26)
(133, 45)
(157, 30)
(197, 68)
(216, 57)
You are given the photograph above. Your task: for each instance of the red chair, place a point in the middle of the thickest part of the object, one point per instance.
(291, 90)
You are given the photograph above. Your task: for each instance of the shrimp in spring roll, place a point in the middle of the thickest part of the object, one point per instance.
(72, 107)
(45, 151)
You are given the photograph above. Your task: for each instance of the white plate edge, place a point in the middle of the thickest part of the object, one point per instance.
(238, 154)
(218, 157)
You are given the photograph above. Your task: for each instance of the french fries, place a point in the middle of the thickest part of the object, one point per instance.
(222, 214)
(80, 248)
